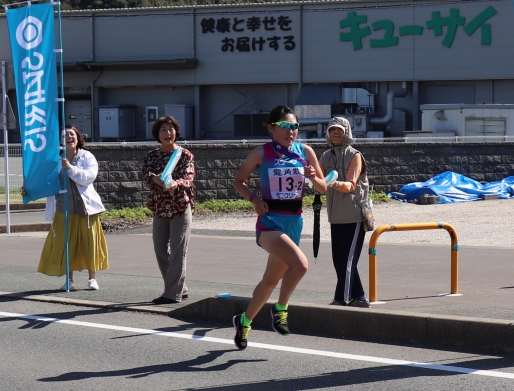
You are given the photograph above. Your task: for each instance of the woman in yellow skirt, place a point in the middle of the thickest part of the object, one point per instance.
(87, 248)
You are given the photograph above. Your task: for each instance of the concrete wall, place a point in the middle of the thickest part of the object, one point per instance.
(391, 165)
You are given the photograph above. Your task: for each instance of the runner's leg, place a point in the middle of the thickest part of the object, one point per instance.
(275, 270)
(286, 262)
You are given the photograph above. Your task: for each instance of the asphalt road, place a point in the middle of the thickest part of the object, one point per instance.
(109, 350)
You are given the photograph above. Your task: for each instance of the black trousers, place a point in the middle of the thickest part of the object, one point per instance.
(347, 241)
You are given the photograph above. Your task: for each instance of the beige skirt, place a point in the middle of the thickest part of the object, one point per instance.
(87, 249)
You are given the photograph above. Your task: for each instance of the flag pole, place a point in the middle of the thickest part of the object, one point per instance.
(6, 151)
(63, 147)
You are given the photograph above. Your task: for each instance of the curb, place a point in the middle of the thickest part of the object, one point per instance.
(24, 207)
(426, 330)
(29, 227)
(87, 303)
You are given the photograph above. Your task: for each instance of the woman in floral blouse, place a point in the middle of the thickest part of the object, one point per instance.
(172, 208)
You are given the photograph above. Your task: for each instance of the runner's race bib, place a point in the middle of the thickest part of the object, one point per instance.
(286, 183)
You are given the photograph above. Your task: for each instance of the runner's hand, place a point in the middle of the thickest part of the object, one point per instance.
(260, 206)
(310, 172)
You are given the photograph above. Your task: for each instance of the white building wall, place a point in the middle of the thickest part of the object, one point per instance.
(455, 117)
(131, 37)
(77, 39)
(220, 61)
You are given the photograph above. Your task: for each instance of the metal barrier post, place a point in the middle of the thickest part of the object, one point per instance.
(454, 278)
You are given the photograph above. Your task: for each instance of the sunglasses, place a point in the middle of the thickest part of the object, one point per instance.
(287, 125)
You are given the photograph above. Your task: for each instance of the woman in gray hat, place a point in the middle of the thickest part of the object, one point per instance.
(345, 198)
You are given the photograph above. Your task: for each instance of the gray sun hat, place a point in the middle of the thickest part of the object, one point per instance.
(344, 124)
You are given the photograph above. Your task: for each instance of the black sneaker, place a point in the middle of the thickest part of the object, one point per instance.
(241, 338)
(363, 303)
(279, 321)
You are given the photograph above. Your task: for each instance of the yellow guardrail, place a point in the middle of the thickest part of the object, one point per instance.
(412, 227)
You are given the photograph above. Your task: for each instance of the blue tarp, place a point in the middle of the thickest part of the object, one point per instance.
(453, 187)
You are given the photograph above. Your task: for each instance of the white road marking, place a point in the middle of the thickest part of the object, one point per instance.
(378, 360)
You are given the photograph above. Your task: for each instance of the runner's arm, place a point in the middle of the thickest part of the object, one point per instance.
(313, 170)
(253, 160)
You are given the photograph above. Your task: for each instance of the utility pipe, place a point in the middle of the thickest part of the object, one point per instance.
(389, 108)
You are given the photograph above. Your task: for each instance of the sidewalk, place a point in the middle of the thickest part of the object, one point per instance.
(411, 279)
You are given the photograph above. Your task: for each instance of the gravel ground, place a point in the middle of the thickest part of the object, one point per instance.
(477, 223)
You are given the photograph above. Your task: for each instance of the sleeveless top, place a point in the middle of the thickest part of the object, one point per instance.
(282, 180)
(342, 208)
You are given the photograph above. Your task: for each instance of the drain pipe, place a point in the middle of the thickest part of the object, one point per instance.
(94, 107)
(390, 99)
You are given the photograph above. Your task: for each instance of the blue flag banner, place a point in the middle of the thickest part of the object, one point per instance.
(32, 37)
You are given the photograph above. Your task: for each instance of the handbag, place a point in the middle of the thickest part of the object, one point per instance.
(368, 220)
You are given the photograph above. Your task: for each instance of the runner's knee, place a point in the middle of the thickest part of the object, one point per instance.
(301, 265)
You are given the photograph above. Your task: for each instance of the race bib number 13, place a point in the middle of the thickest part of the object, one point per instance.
(286, 183)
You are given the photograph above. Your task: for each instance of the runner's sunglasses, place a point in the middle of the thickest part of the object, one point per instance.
(287, 125)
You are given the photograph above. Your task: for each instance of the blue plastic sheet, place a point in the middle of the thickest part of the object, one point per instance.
(453, 187)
